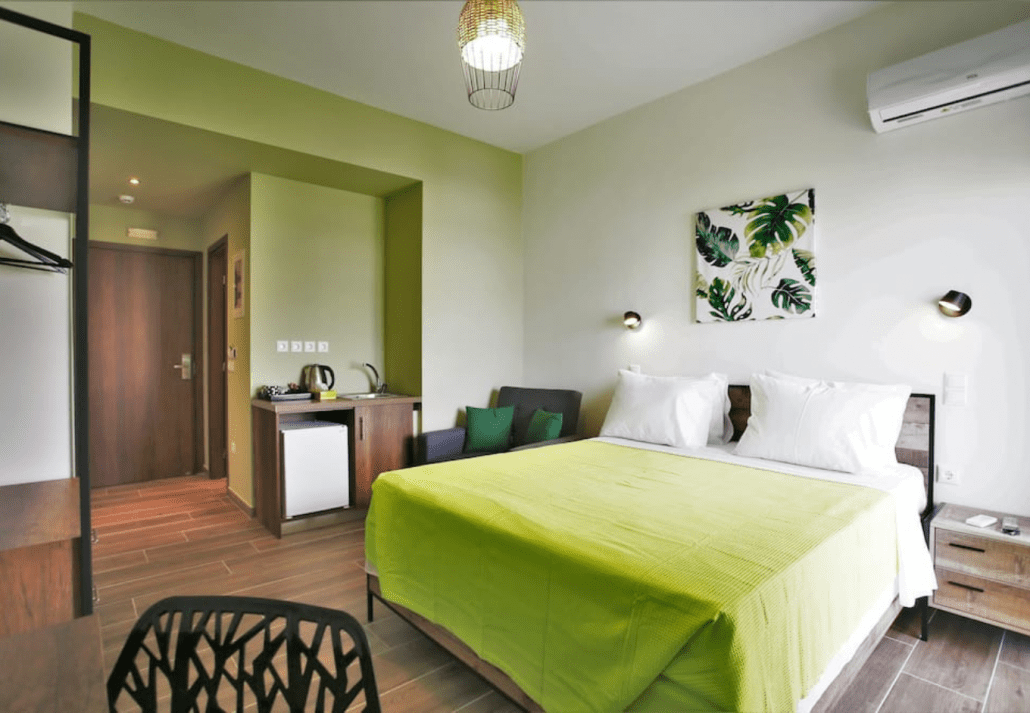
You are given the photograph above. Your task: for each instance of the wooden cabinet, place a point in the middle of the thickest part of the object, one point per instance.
(379, 439)
(40, 548)
(381, 444)
(981, 573)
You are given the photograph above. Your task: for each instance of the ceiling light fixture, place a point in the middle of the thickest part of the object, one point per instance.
(134, 181)
(492, 40)
(632, 320)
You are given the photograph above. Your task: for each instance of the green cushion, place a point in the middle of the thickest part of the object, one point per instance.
(544, 426)
(488, 429)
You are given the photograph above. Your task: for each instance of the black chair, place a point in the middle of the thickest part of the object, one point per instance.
(449, 443)
(215, 654)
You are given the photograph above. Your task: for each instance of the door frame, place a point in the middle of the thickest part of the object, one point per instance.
(216, 358)
(198, 335)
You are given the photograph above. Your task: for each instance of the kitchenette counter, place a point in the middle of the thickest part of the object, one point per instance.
(380, 434)
(337, 404)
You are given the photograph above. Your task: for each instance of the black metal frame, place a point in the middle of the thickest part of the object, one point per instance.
(252, 649)
(80, 253)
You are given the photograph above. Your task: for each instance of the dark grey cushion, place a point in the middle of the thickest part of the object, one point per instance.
(526, 401)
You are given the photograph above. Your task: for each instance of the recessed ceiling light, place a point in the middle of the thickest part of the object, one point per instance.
(127, 200)
(134, 181)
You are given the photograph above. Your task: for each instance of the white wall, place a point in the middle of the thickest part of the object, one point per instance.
(901, 217)
(35, 313)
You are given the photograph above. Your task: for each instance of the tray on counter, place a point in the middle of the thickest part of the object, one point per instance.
(306, 396)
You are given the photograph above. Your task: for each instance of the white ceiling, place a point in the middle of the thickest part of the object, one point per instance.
(585, 60)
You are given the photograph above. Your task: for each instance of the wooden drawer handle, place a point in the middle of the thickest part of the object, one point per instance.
(966, 547)
(965, 586)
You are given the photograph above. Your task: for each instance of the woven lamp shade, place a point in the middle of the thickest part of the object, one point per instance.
(492, 41)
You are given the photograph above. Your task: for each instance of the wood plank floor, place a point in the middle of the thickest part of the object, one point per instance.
(185, 536)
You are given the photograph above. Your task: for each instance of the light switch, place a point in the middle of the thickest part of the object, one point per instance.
(323, 346)
(296, 346)
(956, 389)
(282, 345)
(309, 346)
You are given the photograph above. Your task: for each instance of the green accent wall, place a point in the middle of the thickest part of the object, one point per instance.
(403, 265)
(316, 275)
(471, 211)
(109, 225)
(231, 217)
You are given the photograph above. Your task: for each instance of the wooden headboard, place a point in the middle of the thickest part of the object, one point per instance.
(914, 446)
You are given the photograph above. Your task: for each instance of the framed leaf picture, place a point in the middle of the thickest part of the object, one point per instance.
(756, 260)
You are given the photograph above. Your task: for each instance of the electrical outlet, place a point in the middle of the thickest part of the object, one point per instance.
(948, 475)
(309, 346)
(282, 345)
(323, 346)
(296, 346)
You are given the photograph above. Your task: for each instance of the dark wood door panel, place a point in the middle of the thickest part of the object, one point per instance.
(143, 414)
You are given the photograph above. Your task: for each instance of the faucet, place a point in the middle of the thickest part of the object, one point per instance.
(380, 385)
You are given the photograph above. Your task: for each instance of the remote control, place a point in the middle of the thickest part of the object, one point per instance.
(1010, 526)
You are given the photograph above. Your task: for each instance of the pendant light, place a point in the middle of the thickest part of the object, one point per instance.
(492, 41)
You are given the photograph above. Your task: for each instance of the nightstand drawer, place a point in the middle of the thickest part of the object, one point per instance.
(983, 557)
(1009, 606)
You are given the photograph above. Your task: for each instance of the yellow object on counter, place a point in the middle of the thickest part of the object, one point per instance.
(323, 395)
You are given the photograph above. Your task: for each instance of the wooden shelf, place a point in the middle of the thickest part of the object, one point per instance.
(39, 168)
(40, 547)
(39, 513)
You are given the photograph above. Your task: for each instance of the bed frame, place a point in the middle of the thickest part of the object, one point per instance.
(915, 447)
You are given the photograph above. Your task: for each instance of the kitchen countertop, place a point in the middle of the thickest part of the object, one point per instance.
(338, 404)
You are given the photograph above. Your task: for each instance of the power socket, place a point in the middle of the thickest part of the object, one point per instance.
(948, 475)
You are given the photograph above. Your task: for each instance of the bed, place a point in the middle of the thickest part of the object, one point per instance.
(768, 596)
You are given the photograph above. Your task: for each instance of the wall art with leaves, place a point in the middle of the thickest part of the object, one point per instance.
(756, 260)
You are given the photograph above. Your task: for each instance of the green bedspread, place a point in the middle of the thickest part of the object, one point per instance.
(607, 578)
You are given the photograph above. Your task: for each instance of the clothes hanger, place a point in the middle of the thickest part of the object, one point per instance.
(45, 261)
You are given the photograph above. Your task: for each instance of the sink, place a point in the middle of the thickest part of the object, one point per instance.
(368, 395)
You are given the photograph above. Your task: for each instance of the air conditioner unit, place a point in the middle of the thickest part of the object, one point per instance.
(971, 74)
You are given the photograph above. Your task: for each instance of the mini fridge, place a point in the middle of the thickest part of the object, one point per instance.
(315, 468)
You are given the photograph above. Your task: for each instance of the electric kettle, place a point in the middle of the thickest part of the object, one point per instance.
(317, 377)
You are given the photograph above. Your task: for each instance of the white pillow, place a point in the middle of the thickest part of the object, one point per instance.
(824, 424)
(715, 387)
(667, 410)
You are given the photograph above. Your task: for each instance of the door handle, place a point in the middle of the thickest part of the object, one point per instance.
(186, 366)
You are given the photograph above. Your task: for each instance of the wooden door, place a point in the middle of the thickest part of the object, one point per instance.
(381, 439)
(144, 406)
(217, 397)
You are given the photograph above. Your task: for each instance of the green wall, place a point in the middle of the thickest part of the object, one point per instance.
(472, 195)
(231, 217)
(316, 275)
(403, 338)
(471, 232)
(109, 224)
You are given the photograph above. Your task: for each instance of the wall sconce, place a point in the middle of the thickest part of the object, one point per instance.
(632, 320)
(954, 304)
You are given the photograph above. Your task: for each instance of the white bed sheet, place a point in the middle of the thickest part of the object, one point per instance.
(915, 567)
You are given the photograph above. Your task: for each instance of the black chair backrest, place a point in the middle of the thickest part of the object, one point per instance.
(526, 401)
(201, 654)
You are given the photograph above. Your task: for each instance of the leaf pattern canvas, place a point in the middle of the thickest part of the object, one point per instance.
(756, 260)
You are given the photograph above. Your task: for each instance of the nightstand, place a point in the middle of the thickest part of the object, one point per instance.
(981, 573)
